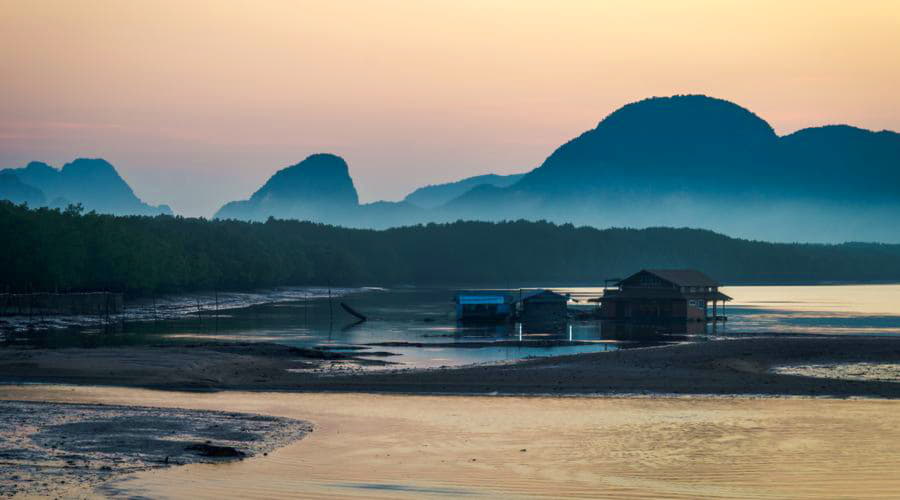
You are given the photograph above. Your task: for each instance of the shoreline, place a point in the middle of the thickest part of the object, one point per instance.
(174, 306)
(734, 367)
(255, 384)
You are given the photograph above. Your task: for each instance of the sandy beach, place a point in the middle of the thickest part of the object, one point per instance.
(402, 446)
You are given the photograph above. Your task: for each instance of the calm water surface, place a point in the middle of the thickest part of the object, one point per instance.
(426, 316)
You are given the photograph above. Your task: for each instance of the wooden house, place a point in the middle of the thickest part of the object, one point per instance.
(484, 306)
(544, 306)
(663, 294)
(494, 306)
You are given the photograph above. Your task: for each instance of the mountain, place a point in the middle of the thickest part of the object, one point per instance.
(435, 195)
(318, 188)
(844, 162)
(92, 182)
(680, 161)
(704, 162)
(16, 191)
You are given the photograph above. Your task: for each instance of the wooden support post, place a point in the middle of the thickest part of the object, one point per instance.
(330, 307)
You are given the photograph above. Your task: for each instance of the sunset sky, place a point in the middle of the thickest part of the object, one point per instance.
(198, 103)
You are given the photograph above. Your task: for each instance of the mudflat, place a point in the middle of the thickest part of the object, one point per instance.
(47, 449)
(746, 366)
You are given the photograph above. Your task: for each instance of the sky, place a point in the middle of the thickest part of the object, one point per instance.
(198, 102)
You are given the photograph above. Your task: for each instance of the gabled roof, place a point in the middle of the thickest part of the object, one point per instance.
(657, 293)
(684, 277)
(543, 295)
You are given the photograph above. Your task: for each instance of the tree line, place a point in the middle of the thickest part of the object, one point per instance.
(68, 250)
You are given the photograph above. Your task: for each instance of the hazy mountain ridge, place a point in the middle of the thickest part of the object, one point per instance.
(320, 189)
(435, 195)
(681, 161)
(13, 189)
(703, 162)
(94, 183)
(687, 160)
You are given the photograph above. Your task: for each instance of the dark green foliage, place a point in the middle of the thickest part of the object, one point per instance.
(47, 249)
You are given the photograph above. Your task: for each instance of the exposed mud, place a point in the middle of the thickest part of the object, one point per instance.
(47, 449)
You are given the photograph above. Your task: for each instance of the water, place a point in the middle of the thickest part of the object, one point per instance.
(834, 309)
(426, 317)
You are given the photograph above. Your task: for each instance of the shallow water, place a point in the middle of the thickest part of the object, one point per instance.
(427, 316)
(382, 446)
(833, 309)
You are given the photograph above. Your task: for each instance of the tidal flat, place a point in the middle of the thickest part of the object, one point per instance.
(404, 446)
(410, 405)
(745, 366)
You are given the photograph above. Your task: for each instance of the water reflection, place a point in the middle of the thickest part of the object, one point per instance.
(427, 317)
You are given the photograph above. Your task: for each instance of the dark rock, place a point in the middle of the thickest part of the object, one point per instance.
(211, 450)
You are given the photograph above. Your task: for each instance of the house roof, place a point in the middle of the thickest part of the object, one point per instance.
(543, 295)
(684, 277)
(658, 293)
(483, 297)
(506, 296)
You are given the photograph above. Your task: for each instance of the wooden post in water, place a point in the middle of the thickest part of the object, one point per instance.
(216, 291)
(106, 300)
(330, 307)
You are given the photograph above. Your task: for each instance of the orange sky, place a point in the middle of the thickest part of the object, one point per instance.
(197, 103)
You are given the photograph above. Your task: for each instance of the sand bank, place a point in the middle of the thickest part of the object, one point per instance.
(729, 367)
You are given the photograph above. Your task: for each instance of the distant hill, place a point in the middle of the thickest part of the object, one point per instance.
(844, 162)
(703, 162)
(318, 188)
(92, 182)
(435, 195)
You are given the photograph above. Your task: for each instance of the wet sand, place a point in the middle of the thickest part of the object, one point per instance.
(389, 446)
(747, 366)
